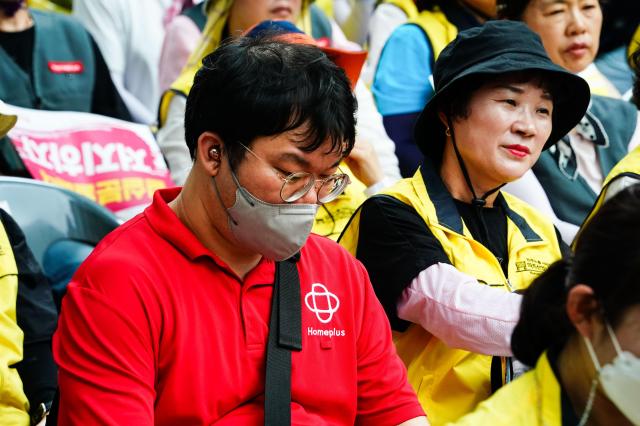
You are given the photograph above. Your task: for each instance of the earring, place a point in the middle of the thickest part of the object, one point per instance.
(214, 153)
(447, 131)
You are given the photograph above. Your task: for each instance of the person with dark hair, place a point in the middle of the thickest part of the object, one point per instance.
(231, 18)
(215, 305)
(371, 165)
(446, 250)
(579, 330)
(565, 182)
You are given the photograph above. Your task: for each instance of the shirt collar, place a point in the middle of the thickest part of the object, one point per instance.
(447, 213)
(168, 226)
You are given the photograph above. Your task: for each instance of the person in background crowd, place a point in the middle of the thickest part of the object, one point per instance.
(56, 67)
(401, 85)
(130, 35)
(565, 181)
(182, 35)
(27, 321)
(446, 250)
(579, 330)
(570, 31)
(140, 339)
(386, 16)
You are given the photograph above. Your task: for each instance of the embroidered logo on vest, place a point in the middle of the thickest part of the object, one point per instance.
(534, 266)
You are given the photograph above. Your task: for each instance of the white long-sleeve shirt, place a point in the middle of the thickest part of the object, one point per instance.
(458, 310)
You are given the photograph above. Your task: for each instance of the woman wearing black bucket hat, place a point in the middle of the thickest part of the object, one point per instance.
(446, 250)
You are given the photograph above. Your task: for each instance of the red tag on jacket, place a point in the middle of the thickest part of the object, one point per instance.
(66, 67)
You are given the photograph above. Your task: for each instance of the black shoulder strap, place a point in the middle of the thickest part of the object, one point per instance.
(285, 335)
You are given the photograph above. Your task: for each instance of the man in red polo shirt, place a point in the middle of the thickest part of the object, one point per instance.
(169, 321)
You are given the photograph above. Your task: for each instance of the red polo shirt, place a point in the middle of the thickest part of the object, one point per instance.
(155, 329)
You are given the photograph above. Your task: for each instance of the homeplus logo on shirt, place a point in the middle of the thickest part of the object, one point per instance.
(324, 305)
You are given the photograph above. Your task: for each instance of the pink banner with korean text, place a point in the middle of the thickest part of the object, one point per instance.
(112, 162)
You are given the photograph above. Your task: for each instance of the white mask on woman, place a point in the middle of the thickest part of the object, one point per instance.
(620, 379)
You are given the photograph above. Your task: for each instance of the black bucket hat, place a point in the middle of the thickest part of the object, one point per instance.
(495, 48)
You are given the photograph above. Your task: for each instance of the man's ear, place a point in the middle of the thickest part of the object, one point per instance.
(209, 152)
(583, 309)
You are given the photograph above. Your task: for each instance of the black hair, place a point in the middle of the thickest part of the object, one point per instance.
(606, 258)
(511, 9)
(421, 4)
(619, 21)
(262, 86)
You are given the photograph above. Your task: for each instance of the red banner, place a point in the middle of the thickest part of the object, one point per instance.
(115, 163)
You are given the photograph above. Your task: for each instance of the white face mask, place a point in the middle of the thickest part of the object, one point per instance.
(620, 379)
(277, 231)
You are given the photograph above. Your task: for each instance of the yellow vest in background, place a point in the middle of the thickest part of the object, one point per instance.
(326, 6)
(629, 166)
(334, 216)
(451, 382)
(407, 6)
(438, 29)
(60, 6)
(14, 407)
(634, 46)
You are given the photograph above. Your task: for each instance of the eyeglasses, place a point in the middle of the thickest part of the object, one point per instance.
(296, 185)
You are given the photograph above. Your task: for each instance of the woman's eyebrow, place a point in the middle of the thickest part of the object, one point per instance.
(545, 94)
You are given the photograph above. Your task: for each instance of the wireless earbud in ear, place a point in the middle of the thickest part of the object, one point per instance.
(214, 153)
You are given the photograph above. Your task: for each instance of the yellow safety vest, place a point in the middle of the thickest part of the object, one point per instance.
(51, 6)
(532, 400)
(634, 45)
(326, 6)
(217, 16)
(14, 407)
(407, 6)
(334, 216)
(451, 382)
(629, 166)
(437, 27)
